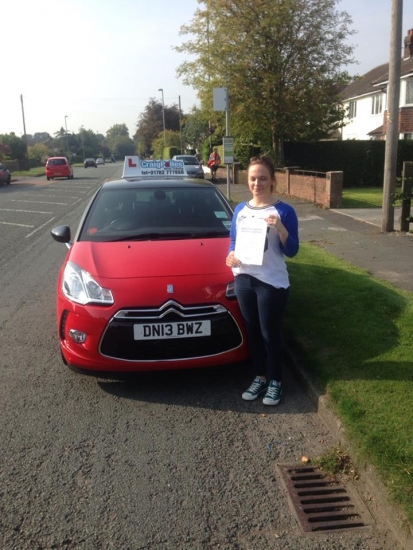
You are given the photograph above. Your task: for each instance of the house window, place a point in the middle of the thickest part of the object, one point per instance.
(409, 90)
(408, 135)
(352, 109)
(376, 104)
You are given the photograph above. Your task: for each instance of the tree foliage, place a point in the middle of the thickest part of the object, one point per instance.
(16, 146)
(150, 124)
(281, 61)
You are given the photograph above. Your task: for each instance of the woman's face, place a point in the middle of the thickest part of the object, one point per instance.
(260, 181)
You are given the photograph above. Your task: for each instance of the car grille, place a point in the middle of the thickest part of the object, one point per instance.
(118, 341)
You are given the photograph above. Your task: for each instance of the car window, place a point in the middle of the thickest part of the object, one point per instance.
(188, 161)
(170, 212)
(56, 162)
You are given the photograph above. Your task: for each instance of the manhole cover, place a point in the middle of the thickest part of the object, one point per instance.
(321, 503)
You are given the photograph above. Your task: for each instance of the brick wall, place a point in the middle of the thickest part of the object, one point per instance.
(325, 189)
(405, 120)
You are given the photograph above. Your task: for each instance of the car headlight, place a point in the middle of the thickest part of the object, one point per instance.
(78, 286)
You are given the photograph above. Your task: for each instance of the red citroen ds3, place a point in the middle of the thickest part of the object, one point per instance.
(144, 285)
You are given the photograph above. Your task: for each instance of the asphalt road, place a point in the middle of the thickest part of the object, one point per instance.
(171, 461)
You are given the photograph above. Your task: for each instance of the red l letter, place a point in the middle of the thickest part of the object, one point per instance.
(131, 164)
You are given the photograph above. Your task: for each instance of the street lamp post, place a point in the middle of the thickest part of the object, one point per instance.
(163, 117)
(67, 139)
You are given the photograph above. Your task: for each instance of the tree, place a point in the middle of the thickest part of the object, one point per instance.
(150, 124)
(281, 61)
(172, 139)
(124, 146)
(195, 129)
(39, 151)
(116, 131)
(16, 146)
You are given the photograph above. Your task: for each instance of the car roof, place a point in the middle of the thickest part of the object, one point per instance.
(163, 183)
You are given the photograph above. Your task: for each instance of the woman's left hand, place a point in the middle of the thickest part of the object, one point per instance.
(275, 221)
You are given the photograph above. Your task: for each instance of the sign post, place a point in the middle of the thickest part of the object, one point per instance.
(221, 103)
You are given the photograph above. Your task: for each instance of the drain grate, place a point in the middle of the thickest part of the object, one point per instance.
(321, 503)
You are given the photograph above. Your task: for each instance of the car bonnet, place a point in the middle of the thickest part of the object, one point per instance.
(145, 259)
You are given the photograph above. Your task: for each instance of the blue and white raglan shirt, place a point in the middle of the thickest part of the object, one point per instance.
(273, 269)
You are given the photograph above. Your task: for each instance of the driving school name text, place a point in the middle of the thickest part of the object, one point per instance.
(161, 164)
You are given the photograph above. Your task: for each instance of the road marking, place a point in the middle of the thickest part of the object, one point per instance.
(42, 202)
(18, 224)
(33, 232)
(309, 218)
(27, 211)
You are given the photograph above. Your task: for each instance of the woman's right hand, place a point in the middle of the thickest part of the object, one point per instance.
(232, 261)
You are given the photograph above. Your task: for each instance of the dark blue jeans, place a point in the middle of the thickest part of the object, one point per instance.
(262, 307)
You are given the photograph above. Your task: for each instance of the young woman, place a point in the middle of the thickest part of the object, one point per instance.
(262, 290)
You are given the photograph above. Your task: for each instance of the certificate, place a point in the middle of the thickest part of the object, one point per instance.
(250, 241)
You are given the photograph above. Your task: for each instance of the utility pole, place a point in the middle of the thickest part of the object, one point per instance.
(163, 118)
(25, 136)
(67, 139)
(392, 131)
(180, 125)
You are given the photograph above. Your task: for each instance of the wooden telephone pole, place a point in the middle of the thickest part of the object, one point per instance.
(392, 131)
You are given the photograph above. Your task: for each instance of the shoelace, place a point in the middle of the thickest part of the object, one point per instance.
(255, 386)
(272, 391)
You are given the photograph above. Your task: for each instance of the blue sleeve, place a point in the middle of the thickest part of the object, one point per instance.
(233, 230)
(290, 220)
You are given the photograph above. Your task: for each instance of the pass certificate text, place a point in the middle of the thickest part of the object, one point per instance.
(250, 241)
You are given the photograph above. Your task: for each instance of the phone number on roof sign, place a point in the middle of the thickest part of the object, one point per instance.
(162, 172)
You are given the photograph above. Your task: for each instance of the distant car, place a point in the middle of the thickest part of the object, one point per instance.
(100, 160)
(58, 167)
(192, 165)
(144, 285)
(5, 175)
(89, 162)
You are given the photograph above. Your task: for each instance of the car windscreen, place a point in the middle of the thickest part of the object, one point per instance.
(56, 162)
(156, 213)
(189, 161)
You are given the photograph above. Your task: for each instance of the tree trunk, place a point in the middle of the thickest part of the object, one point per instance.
(278, 147)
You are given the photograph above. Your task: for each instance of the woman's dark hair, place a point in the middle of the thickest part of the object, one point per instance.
(265, 161)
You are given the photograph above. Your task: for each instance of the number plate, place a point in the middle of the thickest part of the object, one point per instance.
(181, 329)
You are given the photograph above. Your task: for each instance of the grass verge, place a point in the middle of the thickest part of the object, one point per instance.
(362, 197)
(354, 334)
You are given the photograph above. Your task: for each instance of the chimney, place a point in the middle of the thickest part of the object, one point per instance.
(408, 45)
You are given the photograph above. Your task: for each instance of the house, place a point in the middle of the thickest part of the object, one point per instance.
(365, 100)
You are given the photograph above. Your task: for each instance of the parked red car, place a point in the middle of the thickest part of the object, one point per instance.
(58, 167)
(144, 285)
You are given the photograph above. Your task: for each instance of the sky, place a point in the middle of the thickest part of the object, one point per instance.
(96, 63)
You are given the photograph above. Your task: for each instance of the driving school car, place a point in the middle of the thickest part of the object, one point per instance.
(144, 285)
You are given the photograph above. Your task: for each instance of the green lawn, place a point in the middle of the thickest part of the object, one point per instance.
(365, 197)
(362, 197)
(354, 334)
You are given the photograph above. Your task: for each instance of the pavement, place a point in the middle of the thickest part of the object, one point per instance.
(351, 234)
(355, 236)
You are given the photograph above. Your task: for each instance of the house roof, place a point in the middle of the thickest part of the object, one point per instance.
(371, 82)
(377, 131)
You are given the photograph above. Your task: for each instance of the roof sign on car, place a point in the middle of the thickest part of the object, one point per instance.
(135, 169)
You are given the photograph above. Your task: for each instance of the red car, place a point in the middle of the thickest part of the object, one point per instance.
(58, 167)
(144, 285)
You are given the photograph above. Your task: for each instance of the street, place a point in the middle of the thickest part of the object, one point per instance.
(163, 461)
